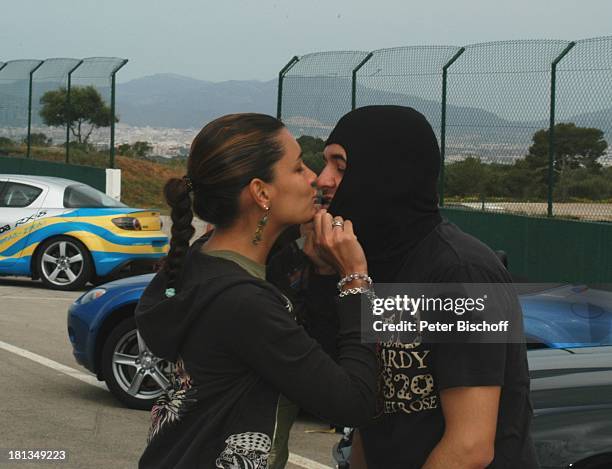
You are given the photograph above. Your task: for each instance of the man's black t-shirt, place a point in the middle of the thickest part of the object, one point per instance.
(411, 422)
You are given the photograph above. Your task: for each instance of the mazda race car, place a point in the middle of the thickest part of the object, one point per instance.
(67, 233)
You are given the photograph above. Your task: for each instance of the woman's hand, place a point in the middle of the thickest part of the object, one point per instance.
(336, 244)
(320, 266)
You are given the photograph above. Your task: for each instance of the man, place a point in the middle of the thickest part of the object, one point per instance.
(450, 405)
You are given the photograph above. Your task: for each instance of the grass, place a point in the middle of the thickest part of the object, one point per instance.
(142, 181)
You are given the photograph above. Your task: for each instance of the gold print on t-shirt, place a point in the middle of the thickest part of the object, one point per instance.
(408, 385)
(389, 390)
(403, 392)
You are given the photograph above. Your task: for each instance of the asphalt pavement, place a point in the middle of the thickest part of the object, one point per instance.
(49, 402)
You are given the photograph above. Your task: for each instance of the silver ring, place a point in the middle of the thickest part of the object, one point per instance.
(337, 223)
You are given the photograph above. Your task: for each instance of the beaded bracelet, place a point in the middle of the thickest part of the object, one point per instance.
(354, 276)
(368, 292)
(353, 291)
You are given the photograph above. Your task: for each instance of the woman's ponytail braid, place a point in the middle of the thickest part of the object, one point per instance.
(176, 192)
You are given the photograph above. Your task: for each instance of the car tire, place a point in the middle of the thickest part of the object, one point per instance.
(132, 373)
(63, 263)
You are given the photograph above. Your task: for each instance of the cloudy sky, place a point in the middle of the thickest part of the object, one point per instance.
(252, 39)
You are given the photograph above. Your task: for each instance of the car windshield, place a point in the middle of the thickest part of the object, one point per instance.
(83, 196)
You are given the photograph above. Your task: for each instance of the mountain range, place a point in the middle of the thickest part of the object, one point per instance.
(313, 104)
(168, 100)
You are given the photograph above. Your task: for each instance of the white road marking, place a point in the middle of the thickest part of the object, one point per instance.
(89, 379)
(306, 463)
(45, 298)
(86, 378)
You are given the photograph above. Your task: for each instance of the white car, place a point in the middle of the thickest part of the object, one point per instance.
(67, 233)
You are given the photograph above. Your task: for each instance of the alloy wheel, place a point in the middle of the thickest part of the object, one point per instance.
(62, 263)
(136, 370)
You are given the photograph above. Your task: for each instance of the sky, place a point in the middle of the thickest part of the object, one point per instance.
(253, 39)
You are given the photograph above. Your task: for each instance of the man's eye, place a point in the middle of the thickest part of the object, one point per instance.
(341, 169)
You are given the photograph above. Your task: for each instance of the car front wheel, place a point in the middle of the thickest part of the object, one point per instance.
(132, 373)
(63, 263)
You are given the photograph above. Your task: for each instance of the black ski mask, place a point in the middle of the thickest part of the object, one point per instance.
(389, 189)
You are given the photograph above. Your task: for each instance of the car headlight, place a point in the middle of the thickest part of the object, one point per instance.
(91, 295)
(127, 223)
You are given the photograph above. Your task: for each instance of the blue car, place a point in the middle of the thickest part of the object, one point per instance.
(103, 332)
(567, 316)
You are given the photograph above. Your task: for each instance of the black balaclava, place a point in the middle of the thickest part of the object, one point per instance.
(389, 189)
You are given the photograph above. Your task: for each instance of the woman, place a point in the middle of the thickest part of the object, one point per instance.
(231, 334)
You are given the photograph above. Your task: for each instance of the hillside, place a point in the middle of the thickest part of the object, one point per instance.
(142, 181)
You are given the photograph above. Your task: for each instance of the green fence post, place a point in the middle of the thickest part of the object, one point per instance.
(68, 111)
(443, 122)
(29, 138)
(112, 135)
(281, 75)
(551, 129)
(354, 82)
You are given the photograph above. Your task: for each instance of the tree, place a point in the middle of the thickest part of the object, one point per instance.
(6, 142)
(38, 139)
(87, 108)
(467, 177)
(581, 184)
(312, 151)
(139, 149)
(526, 182)
(6, 145)
(311, 144)
(575, 147)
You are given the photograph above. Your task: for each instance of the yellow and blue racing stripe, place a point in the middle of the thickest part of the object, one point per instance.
(109, 245)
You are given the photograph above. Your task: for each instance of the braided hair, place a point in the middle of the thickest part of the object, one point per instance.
(224, 157)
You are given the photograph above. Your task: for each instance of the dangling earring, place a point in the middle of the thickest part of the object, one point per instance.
(260, 226)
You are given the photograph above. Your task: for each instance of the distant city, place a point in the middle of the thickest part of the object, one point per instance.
(172, 142)
(166, 142)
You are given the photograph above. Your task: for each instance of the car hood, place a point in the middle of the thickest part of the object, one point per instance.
(138, 281)
(582, 301)
(575, 377)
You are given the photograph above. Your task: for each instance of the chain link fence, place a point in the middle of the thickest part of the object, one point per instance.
(498, 98)
(317, 91)
(583, 184)
(405, 76)
(59, 109)
(49, 81)
(98, 74)
(15, 84)
(524, 126)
